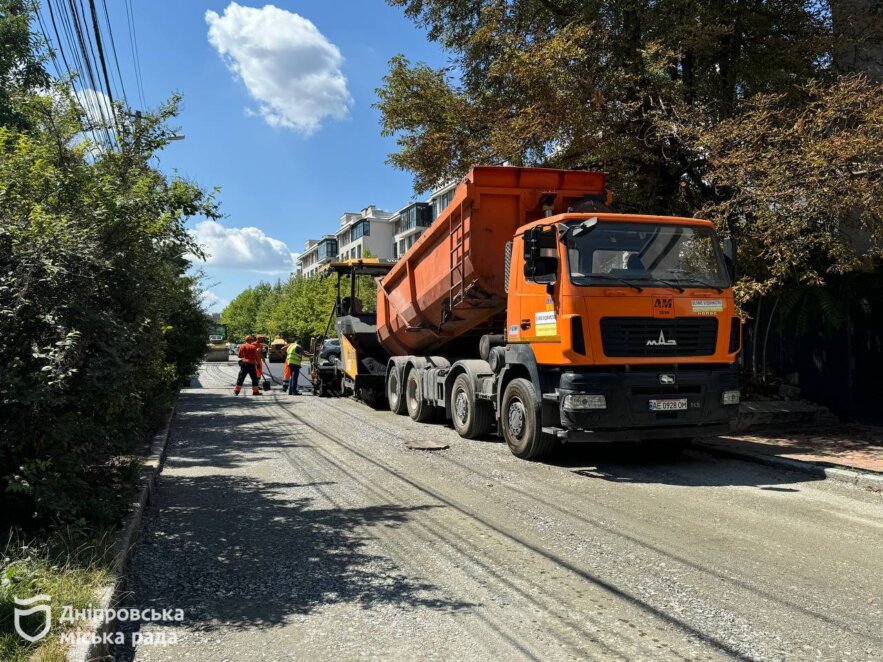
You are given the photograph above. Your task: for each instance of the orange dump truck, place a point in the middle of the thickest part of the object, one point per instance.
(528, 305)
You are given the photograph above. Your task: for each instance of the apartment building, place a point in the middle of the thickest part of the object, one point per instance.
(441, 198)
(370, 230)
(384, 234)
(317, 253)
(410, 222)
(413, 219)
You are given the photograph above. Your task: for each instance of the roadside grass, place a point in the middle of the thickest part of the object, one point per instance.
(69, 564)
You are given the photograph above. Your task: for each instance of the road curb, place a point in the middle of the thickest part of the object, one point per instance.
(123, 547)
(865, 480)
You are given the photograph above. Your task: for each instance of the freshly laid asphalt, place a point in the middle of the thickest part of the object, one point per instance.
(301, 528)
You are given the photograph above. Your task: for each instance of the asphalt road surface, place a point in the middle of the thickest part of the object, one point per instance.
(294, 527)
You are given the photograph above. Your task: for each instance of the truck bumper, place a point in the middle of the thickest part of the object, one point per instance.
(628, 415)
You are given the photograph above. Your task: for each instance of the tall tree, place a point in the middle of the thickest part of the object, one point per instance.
(858, 36)
(600, 84)
(21, 66)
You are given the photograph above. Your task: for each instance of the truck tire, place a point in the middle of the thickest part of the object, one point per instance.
(394, 392)
(472, 418)
(418, 409)
(521, 422)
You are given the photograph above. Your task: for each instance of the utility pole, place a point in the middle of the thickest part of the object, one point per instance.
(138, 130)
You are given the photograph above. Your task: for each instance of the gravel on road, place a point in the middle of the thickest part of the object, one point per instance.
(303, 528)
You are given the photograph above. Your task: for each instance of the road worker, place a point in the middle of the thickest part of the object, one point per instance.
(261, 344)
(294, 355)
(250, 358)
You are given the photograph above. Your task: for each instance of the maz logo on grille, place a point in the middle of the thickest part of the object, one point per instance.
(652, 338)
(661, 341)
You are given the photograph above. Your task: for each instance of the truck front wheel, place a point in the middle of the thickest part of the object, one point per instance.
(472, 418)
(521, 421)
(418, 409)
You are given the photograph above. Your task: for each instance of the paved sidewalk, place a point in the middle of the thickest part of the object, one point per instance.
(856, 447)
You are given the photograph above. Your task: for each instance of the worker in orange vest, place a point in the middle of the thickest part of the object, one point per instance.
(262, 354)
(250, 357)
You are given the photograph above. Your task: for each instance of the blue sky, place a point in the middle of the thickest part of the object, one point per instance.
(281, 170)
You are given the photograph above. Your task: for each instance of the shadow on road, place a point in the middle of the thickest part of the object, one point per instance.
(236, 553)
(208, 433)
(636, 463)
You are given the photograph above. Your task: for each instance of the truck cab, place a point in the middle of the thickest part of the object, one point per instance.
(623, 327)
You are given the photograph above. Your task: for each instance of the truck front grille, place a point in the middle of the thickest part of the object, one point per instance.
(650, 337)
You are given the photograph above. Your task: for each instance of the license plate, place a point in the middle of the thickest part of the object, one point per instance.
(680, 404)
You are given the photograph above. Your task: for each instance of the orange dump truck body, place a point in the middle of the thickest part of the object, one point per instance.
(451, 284)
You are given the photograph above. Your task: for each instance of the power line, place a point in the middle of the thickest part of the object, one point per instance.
(61, 51)
(98, 43)
(89, 58)
(91, 100)
(133, 41)
(113, 48)
(103, 98)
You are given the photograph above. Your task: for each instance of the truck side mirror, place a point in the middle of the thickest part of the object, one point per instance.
(729, 247)
(541, 255)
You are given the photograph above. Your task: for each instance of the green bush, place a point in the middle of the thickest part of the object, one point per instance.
(99, 321)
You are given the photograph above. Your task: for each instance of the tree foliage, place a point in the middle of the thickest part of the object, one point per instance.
(99, 322)
(21, 71)
(590, 84)
(748, 112)
(298, 309)
(802, 183)
(241, 314)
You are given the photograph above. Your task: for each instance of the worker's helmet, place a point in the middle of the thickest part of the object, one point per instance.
(249, 338)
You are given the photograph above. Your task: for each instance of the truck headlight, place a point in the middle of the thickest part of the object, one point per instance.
(580, 401)
(730, 397)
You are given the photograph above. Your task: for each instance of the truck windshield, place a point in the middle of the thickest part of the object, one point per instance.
(683, 255)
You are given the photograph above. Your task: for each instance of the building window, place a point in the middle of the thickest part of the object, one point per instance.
(328, 249)
(359, 251)
(417, 215)
(361, 229)
(442, 201)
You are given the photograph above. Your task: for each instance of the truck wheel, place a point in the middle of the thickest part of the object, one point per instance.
(397, 403)
(472, 418)
(418, 409)
(521, 422)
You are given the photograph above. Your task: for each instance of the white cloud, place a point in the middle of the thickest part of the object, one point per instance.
(97, 107)
(212, 303)
(243, 248)
(287, 65)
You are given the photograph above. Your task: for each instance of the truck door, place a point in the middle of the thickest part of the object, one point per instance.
(532, 310)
